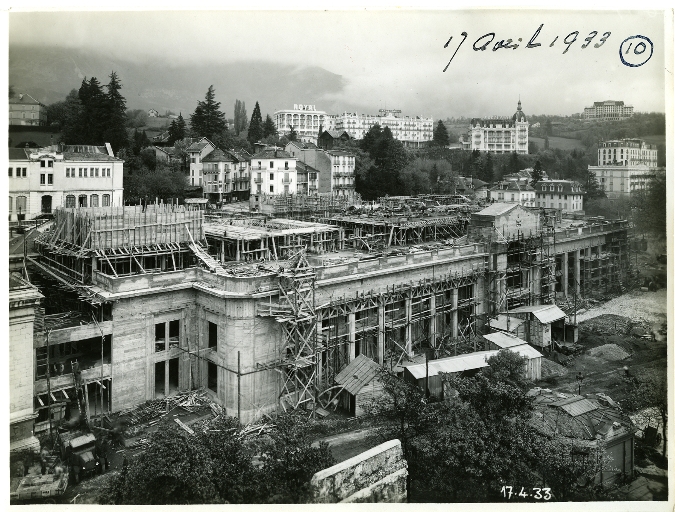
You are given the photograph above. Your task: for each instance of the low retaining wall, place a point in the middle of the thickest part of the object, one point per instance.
(377, 475)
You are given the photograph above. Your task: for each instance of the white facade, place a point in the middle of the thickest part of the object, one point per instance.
(564, 195)
(627, 152)
(197, 151)
(305, 119)
(71, 176)
(412, 131)
(499, 134)
(608, 111)
(342, 166)
(273, 172)
(513, 192)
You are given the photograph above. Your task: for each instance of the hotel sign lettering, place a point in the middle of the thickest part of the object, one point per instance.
(297, 106)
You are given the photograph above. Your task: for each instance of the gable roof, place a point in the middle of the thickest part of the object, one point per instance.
(18, 154)
(545, 314)
(357, 374)
(503, 340)
(272, 153)
(218, 155)
(303, 167)
(497, 209)
(24, 99)
(336, 134)
(200, 144)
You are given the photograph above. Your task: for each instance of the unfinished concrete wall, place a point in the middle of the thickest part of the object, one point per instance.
(378, 475)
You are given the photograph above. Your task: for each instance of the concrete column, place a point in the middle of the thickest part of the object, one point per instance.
(577, 272)
(166, 376)
(432, 322)
(408, 329)
(454, 298)
(535, 275)
(565, 272)
(380, 334)
(351, 325)
(222, 251)
(319, 369)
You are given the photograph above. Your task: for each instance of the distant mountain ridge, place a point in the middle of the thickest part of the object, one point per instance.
(49, 74)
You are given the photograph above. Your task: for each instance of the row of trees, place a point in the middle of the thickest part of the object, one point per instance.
(464, 449)
(220, 465)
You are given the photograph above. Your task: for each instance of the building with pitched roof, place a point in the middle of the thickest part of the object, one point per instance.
(587, 421)
(273, 172)
(359, 384)
(510, 191)
(335, 168)
(65, 175)
(624, 166)
(197, 151)
(27, 111)
(498, 134)
(328, 138)
(564, 195)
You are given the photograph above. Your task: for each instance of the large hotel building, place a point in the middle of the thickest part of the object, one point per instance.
(498, 134)
(412, 131)
(608, 111)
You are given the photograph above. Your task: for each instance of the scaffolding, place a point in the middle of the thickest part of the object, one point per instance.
(302, 207)
(295, 313)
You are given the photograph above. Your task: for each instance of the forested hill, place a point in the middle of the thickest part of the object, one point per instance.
(49, 74)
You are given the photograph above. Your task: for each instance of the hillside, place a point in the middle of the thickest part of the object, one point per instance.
(49, 74)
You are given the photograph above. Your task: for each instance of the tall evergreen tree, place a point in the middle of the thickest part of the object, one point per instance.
(72, 127)
(255, 127)
(116, 115)
(293, 135)
(240, 120)
(441, 137)
(93, 114)
(207, 119)
(268, 127)
(177, 130)
(537, 173)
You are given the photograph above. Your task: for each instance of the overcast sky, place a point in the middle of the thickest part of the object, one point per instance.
(392, 57)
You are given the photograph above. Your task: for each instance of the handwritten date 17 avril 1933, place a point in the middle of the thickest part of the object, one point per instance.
(634, 51)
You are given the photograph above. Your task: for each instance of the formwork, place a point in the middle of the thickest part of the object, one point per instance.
(300, 206)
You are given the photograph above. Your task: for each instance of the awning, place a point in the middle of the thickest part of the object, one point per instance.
(545, 314)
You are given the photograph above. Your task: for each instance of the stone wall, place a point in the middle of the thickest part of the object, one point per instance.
(378, 475)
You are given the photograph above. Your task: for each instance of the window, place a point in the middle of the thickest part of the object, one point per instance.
(67, 172)
(70, 201)
(212, 377)
(96, 171)
(82, 201)
(50, 163)
(286, 165)
(108, 172)
(160, 337)
(80, 174)
(213, 335)
(10, 204)
(21, 204)
(271, 189)
(10, 172)
(50, 179)
(43, 163)
(174, 333)
(271, 164)
(23, 172)
(42, 179)
(94, 200)
(271, 176)
(106, 199)
(85, 172)
(192, 160)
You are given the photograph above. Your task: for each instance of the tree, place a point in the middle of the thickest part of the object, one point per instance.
(293, 135)
(72, 130)
(592, 187)
(177, 130)
(240, 120)
(650, 391)
(537, 173)
(115, 131)
(268, 127)
(56, 114)
(92, 118)
(441, 135)
(207, 118)
(255, 128)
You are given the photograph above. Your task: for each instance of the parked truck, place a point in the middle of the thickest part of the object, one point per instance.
(83, 454)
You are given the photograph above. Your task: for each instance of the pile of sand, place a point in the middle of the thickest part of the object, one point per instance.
(609, 352)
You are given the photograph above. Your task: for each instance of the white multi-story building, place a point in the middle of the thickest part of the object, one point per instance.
(609, 110)
(335, 168)
(510, 191)
(499, 134)
(411, 131)
(624, 166)
(564, 195)
(306, 120)
(26, 110)
(197, 151)
(627, 152)
(273, 171)
(63, 176)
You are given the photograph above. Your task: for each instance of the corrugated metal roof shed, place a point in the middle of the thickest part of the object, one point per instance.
(504, 340)
(357, 374)
(576, 406)
(545, 314)
(526, 350)
(496, 209)
(506, 323)
(452, 364)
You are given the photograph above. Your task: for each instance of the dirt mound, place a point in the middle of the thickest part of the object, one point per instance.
(609, 352)
(551, 368)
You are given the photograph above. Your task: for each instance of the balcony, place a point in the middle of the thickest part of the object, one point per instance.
(257, 180)
(342, 186)
(243, 177)
(343, 174)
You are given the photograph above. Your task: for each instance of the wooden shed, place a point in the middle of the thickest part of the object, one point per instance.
(503, 340)
(542, 323)
(360, 384)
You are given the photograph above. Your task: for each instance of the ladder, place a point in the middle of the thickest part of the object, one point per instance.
(206, 258)
(77, 382)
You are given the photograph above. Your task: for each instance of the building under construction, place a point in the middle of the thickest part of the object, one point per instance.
(264, 312)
